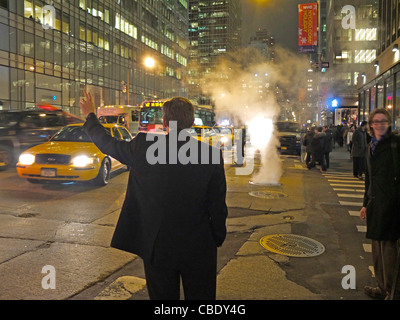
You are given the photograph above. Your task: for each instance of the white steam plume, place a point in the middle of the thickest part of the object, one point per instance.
(243, 88)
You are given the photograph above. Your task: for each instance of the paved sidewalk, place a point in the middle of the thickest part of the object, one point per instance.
(254, 273)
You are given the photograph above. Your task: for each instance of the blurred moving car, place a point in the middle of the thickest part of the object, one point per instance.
(227, 136)
(70, 155)
(20, 130)
(289, 134)
(206, 134)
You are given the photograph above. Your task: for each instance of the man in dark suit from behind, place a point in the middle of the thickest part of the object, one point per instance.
(174, 213)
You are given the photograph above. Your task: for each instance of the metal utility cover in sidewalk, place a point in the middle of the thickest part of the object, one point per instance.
(292, 245)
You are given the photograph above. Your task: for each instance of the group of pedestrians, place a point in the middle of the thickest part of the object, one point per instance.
(318, 143)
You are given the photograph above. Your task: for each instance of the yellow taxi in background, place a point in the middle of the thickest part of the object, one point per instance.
(70, 155)
(227, 136)
(206, 134)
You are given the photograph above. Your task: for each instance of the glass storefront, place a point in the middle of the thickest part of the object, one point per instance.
(383, 92)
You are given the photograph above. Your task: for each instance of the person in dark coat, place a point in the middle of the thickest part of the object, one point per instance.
(359, 149)
(174, 213)
(381, 206)
(307, 143)
(318, 149)
(327, 144)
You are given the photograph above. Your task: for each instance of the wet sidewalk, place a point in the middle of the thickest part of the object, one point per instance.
(254, 273)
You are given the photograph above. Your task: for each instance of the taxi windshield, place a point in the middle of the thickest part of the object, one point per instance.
(223, 130)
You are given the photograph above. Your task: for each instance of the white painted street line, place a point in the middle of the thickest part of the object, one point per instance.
(341, 177)
(356, 182)
(371, 268)
(347, 195)
(367, 247)
(338, 172)
(343, 185)
(354, 213)
(361, 228)
(350, 190)
(349, 203)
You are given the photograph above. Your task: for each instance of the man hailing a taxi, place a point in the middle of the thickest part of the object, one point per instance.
(174, 214)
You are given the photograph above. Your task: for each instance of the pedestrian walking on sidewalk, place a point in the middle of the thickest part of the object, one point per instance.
(359, 149)
(307, 143)
(174, 212)
(327, 144)
(381, 205)
(350, 138)
(318, 149)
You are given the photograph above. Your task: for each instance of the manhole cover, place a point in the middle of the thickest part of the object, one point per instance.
(267, 194)
(292, 245)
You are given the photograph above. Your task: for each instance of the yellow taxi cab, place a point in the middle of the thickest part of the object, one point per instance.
(206, 134)
(70, 155)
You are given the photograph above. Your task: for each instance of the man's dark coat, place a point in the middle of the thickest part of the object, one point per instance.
(180, 206)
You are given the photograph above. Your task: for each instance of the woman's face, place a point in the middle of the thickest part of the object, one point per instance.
(380, 125)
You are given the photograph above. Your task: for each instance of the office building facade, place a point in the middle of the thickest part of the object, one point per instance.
(379, 86)
(51, 50)
(214, 30)
(352, 45)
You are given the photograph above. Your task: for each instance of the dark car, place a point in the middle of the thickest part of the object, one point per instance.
(289, 134)
(20, 130)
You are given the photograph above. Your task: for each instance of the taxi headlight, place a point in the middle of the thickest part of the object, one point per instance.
(26, 159)
(83, 161)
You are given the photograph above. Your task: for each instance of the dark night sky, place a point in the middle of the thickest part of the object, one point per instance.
(279, 17)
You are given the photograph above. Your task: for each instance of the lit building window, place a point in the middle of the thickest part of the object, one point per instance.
(368, 34)
(364, 56)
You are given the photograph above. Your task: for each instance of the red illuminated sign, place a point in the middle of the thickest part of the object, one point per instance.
(308, 23)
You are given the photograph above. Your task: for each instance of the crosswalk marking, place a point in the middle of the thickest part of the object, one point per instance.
(344, 185)
(356, 182)
(367, 247)
(342, 177)
(348, 189)
(349, 195)
(350, 203)
(361, 228)
(354, 213)
(348, 186)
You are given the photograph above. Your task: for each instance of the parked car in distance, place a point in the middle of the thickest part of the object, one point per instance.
(289, 134)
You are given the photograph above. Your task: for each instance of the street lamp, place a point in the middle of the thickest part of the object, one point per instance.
(149, 63)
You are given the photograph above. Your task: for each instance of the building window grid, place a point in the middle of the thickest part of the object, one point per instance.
(70, 70)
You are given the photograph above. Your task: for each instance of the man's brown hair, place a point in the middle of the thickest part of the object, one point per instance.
(180, 110)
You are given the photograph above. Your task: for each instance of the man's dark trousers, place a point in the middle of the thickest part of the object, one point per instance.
(199, 277)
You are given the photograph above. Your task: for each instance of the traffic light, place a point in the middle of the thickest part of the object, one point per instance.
(124, 87)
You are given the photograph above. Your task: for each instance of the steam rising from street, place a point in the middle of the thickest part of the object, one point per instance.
(244, 87)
